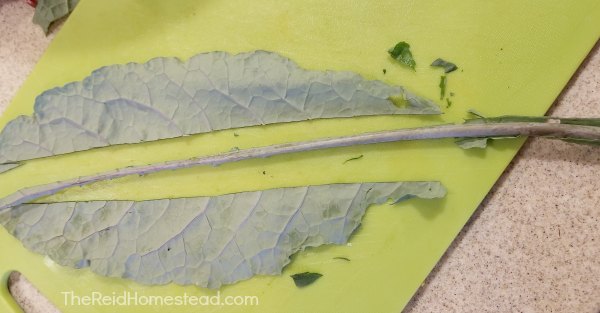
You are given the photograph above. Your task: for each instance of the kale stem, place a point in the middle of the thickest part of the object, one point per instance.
(497, 129)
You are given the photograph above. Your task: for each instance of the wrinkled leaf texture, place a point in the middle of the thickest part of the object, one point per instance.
(167, 98)
(203, 241)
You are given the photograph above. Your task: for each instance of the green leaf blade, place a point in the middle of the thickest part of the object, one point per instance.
(203, 241)
(167, 98)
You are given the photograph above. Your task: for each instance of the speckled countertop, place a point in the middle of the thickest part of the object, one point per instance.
(533, 245)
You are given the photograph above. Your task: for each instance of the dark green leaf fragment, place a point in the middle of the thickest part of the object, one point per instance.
(475, 112)
(341, 258)
(354, 158)
(447, 66)
(401, 52)
(305, 279)
(443, 82)
(384, 71)
(448, 103)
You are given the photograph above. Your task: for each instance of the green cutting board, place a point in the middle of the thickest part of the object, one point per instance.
(514, 57)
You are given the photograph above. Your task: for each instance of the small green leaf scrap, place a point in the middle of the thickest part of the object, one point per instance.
(354, 158)
(401, 52)
(448, 103)
(470, 143)
(342, 258)
(447, 66)
(443, 81)
(305, 279)
(476, 113)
